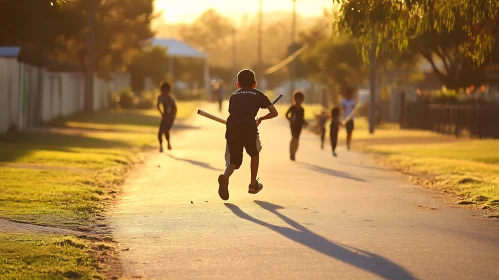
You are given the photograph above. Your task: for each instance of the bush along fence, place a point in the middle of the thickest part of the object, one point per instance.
(475, 120)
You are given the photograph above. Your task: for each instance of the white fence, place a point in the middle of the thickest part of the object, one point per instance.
(31, 95)
(9, 93)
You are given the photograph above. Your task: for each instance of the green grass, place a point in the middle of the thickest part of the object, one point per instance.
(65, 199)
(45, 256)
(62, 176)
(469, 169)
(387, 131)
(464, 167)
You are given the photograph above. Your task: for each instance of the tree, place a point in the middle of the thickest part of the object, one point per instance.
(122, 28)
(208, 31)
(462, 34)
(34, 26)
(152, 62)
(447, 55)
(335, 62)
(395, 22)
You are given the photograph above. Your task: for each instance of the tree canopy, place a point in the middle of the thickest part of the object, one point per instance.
(395, 22)
(459, 38)
(51, 31)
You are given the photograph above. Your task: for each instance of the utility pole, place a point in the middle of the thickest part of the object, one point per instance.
(372, 82)
(260, 35)
(293, 48)
(234, 55)
(89, 81)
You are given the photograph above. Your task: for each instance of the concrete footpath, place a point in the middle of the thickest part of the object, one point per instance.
(317, 218)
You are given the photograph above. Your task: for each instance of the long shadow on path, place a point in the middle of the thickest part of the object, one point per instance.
(331, 172)
(366, 261)
(196, 163)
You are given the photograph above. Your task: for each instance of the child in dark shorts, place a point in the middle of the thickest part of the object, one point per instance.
(168, 114)
(242, 132)
(296, 117)
(334, 129)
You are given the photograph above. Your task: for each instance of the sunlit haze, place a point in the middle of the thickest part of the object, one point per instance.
(174, 11)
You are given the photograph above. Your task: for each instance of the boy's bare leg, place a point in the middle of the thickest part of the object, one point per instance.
(160, 139)
(229, 169)
(223, 182)
(349, 139)
(255, 161)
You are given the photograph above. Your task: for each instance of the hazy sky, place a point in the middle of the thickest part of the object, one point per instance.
(187, 10)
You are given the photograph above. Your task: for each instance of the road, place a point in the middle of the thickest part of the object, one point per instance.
(317, 218)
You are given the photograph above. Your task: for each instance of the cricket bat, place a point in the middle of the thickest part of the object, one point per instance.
(349, 116)
(211, 116)
(220, 120)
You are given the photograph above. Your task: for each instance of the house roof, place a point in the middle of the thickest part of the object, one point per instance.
(10, 51)
(177, 48)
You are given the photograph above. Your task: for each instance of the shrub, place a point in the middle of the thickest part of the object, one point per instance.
(147, 100)
(444, 96)
(127, 99)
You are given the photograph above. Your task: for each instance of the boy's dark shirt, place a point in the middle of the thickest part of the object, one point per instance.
(244, 105)
(169, 106)
(297, 115)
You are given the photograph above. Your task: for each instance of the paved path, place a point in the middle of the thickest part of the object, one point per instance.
(317, 218)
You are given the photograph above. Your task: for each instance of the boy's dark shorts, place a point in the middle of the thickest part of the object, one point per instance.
(296, 130)
(349, 126)
(239, 137)
(165, 125)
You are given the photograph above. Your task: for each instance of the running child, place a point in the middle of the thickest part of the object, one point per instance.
(242, 132)
(168, 114)
(334, 129)
(220, 92)
(296, 117)
(348, 105)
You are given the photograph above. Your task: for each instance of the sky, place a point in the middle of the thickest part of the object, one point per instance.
(175, 11)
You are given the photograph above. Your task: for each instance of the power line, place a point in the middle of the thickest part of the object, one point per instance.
(286, 61)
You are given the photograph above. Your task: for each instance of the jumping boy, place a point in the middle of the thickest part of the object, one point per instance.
(334, 129)
(242, 132)
(348, 105)
(167, 114)
(296, 117)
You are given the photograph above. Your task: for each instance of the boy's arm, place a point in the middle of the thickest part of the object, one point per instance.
(289, 113)
(272, 114)
(159, 107)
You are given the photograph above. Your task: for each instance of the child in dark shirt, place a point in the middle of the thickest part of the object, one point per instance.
(334, 129)
(242, 132)
(168, 114)
(296, 117)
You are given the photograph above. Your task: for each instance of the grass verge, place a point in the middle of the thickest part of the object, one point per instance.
(468, 169)
(62, 176)
(27, 256)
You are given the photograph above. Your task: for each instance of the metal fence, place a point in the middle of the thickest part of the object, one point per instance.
(476, 120)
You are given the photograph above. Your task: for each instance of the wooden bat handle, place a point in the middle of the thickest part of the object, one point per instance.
(210, 116)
